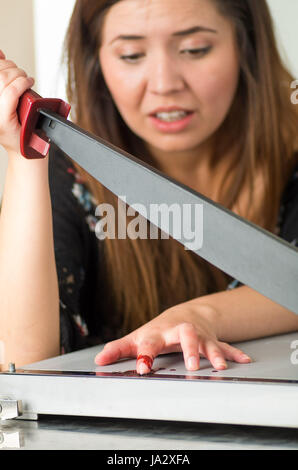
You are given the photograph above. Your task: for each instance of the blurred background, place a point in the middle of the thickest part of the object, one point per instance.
(32, 34)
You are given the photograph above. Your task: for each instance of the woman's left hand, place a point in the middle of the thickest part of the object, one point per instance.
(189, 328)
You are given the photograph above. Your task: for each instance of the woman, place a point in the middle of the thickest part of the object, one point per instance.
(196, 89)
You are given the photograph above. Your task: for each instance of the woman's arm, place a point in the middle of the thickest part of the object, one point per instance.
(243, 314)
(29, 299)
(202, 326)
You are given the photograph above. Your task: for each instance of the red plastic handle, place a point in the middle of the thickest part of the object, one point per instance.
(34, 143)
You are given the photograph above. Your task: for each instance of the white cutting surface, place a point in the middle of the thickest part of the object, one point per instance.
(271, 360)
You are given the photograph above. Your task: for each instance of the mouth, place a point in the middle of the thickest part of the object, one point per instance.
(172, 115)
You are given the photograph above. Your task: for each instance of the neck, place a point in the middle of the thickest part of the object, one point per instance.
(185, 161)
(192, 168)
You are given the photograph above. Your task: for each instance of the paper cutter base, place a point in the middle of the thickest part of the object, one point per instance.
(262, 393)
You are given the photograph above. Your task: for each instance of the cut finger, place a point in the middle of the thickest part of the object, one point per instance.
(190, 346)
(146, 352)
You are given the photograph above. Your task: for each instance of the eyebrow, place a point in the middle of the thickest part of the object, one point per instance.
(195, 29)
(186, 32)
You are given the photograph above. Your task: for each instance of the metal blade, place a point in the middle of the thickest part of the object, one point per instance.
(241, 249)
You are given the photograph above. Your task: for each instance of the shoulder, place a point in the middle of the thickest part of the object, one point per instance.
(288, 216)
(291, 188)
(67, 183)
(61, 169)
(287, 226)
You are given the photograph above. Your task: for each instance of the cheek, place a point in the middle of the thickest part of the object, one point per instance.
(217, 87)
(124, 85)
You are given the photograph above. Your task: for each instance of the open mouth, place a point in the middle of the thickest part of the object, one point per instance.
(171, 116)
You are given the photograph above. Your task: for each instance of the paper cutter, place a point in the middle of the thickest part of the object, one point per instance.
(261, 393)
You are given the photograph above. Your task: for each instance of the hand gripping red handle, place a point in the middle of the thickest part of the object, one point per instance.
(34, 143)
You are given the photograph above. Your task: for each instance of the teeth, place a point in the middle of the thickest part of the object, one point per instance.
(171, 116)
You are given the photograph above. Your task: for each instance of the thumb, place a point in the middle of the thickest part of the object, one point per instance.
(115, 350)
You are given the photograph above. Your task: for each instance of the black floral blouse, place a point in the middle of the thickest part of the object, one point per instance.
(85, 320)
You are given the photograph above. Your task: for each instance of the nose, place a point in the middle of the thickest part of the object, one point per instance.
(164, 76)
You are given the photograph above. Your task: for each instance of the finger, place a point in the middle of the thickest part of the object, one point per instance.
(9, 75)
(2, 55)
(190, 346)
(213, 352)
(147, 350)
(11, 94)
(115, 350)
(234, 354)
(7, 64)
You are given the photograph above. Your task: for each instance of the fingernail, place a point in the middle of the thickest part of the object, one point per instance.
(221, 364)
(143, 369)
(244, 356)
(192, 363)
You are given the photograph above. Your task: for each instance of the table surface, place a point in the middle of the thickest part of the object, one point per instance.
(80, 433)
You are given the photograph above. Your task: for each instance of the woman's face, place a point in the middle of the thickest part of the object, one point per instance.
(172, 69)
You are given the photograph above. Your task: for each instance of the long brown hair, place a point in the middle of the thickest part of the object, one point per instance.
(145, 277)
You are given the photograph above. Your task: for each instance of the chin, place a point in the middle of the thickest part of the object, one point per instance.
(177, 147)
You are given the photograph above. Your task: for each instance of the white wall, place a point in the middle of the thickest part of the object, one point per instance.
(285, 14)
(17, 42)
(32, 33)
(51, 18)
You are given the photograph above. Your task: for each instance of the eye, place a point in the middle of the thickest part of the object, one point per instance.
(196, 52)
(131, 58)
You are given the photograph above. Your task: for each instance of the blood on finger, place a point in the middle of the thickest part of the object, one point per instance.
(148, 361)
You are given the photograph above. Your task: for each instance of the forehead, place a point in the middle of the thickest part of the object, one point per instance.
(161, 16)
